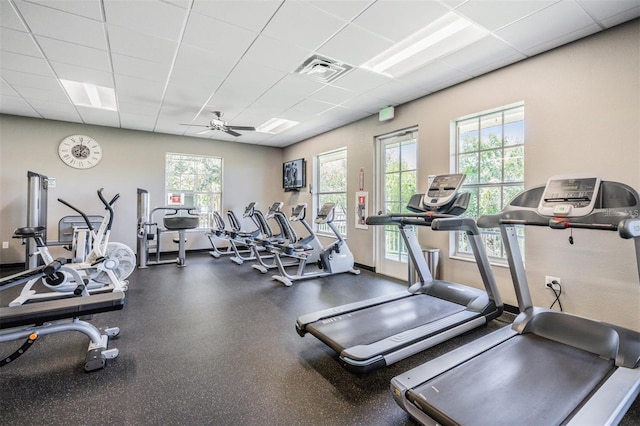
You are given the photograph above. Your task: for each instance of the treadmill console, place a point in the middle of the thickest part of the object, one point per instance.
(324, 212)
(569, 196)
(442, 190)
(276, 206)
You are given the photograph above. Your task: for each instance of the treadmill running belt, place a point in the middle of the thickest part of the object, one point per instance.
(527, 380)
(375, 323)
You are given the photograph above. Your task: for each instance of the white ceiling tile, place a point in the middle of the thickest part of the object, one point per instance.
(44, 105)
(142, 46)
(397, 19)
(360, 81)
(489, 50)
(566, 38)
(138, 107)
(312, 106)
(74, 54)
(346, 10)
(311, 26)
(9, 17)
(502, 12)
(135, 67)
(152, 17)
(396, 90)
(60, 114)
(621, 17)
(82, 74)
(34, 93)
(276, 54)
(63, 26)
(354, 45)
(332, 94)
(252, 15)
(200, 68)
(17, 78)
(433, 76)
(367, 103)
(13, 102)
(557, 20)
(603, 10)
(290, 90)
(139, 90)
(18, 42)
(24, 63)
(6, 89)
(99, 117)
(216, 36)
(137, 121)
(87, 8)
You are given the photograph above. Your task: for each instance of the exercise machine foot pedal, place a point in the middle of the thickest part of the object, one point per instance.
(21, 350)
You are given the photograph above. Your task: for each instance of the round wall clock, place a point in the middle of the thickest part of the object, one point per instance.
(80, 151)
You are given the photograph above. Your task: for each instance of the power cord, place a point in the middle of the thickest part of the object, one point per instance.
(557, 290)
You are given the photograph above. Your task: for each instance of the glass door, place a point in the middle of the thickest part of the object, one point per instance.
(397, 171)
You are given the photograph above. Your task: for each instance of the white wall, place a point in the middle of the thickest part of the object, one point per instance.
(582, 113)
(131, 160)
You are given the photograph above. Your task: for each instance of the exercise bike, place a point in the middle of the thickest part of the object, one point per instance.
(334, 259)
(105, 268)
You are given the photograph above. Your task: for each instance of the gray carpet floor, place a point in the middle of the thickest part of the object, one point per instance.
(213, 343)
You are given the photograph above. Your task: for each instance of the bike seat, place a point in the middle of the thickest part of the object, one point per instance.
(29, 232)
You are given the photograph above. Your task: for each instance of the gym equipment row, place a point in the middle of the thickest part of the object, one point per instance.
(548, 367)
(285, 248)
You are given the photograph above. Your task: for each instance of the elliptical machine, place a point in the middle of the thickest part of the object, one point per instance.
(334, 259)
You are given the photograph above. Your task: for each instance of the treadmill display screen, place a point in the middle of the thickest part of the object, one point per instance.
(442, 189)
(569, 196)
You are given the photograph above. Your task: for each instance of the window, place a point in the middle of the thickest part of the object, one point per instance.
(331, 186)
(194, 181)
(489, 149)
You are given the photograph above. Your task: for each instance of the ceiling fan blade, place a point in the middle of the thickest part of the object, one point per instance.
(232, 133)
(247, 128)
(203, 131)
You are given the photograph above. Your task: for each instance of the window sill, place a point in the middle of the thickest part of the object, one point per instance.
(471, 259)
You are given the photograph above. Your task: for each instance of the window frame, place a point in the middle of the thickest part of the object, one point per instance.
(507, 188)
(206, 215)
(340, 220)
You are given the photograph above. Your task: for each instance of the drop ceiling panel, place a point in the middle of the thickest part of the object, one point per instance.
(141, 46)
(346, 10)
(135, 67)
(276, 54)
(150, 17)
(174, 61)
(9, 18)
(311, 26)
(75, 54)
(252, 15)
(83, 74)
(354, 45)
(18, 42)
(505, 11)
(558, 20)
(23, 63)
(488, 50)
(216, 36)
(398, 19)
(62, 26)
(87, 8)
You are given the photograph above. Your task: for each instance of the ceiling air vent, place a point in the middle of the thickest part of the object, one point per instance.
(323, 69)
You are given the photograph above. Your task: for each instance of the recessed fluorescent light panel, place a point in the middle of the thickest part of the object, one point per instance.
(445, 35)
(276, 125)
(90, 95)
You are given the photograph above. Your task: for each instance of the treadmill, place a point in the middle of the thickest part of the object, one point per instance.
(378, 332)
(549, 367)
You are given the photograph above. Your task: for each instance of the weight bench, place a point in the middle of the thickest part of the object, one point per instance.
(52, 316)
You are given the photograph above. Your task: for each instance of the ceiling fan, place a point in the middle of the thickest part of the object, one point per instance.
(217, 123)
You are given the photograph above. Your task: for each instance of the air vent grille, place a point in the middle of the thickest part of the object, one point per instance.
(323, 69)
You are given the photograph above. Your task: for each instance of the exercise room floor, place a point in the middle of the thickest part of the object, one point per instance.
(213, 343)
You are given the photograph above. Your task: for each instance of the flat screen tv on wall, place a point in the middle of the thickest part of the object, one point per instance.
(294, 175)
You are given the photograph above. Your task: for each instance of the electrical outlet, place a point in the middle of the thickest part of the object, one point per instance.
(5, 244)
(548, 279)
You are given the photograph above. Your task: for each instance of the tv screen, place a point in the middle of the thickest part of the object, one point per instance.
(294, 175)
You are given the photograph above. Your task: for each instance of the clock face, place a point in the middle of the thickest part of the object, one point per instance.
(80, 151)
